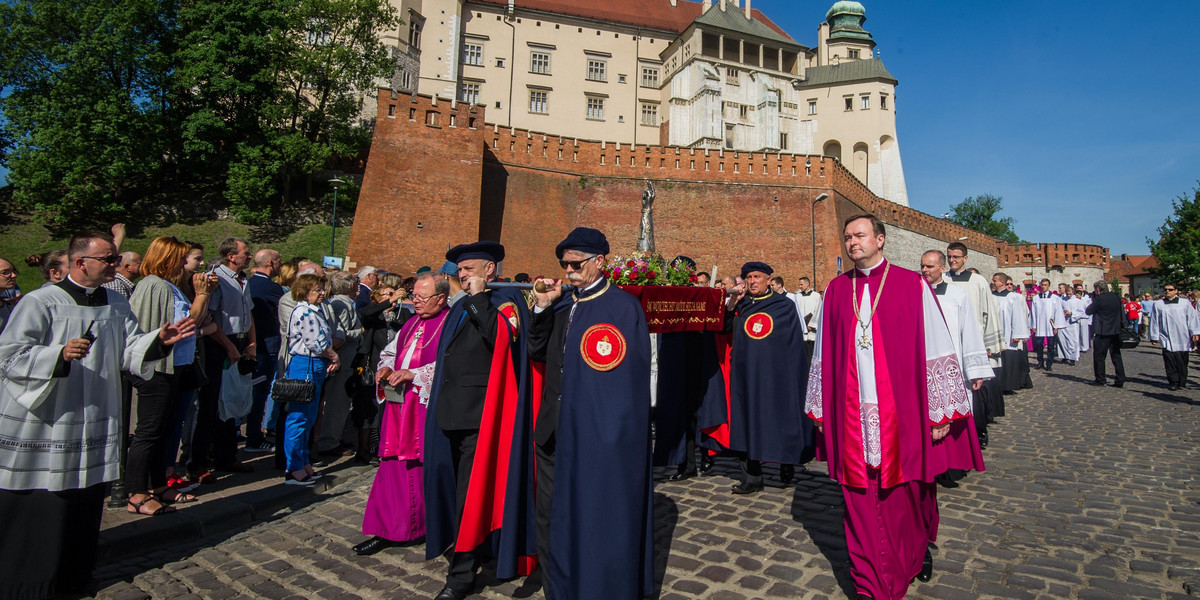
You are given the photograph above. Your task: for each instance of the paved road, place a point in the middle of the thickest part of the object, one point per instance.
(1090, 493)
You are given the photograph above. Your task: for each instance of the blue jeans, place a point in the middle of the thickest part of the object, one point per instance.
(255, 421)
(185, 405)
(300, 417)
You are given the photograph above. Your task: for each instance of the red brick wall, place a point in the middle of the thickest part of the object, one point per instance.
(1049, 255)
(529, 189)
(418, 174)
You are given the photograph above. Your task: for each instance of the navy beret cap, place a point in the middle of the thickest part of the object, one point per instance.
(492, 251)
(754, 265)
(583, 239)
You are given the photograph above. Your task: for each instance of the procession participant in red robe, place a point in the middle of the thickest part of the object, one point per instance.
(893, 410)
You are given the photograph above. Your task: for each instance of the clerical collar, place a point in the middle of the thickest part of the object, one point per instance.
(1001, 293)
(84, 296)
(1174, 300)
(940, 288)
(963, 275)
(808, 293)
(867, 271)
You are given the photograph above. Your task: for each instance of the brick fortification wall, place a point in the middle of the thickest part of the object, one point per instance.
(436, 163)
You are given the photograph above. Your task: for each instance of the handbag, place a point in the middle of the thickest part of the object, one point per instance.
(291, 390)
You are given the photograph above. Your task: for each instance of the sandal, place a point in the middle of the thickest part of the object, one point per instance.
(177, 497)
(138, 507)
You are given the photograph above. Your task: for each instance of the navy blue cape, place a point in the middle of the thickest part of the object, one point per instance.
(601, 523)
(769, 382)
(516, 538)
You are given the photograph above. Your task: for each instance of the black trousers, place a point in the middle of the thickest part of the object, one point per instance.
(1176, 364)
(542, 496)
(146, 465)
(49, 541)
(751, 470)
(463, 565)
(1051, 344)
(210, 429)
(1106, 344)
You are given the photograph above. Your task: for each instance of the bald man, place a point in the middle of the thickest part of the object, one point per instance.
(264, 296)
(128, 270)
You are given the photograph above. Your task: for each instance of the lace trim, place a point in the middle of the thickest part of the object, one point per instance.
(948, 395)
(813, 403)
(423, 382)
(977, 360)
(872, 446)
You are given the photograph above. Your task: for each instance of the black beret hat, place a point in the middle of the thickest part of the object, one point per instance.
(754, 265)
(583, 239)
(492, 251)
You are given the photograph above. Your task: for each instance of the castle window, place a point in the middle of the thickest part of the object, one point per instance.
(731, 76)
(595, 109)
(414, 34)
(812, 107)
(783, 141)
(853, 53)
(473, 54)
(744, 112)
(849, 102)
(597, 70)
(620, 78)
(883, 102)
(539, 62)
(650, 77)
(866, 102)
(650, 115)
(538, 102)
(470, 93)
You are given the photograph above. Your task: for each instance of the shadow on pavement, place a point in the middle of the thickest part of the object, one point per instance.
(1173, 397)
(818, 506)
(666, 515)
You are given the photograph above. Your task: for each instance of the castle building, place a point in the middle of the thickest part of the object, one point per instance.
(703, 75)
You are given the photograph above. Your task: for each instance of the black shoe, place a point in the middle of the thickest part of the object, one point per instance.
(706, 464)
(372, 546)
(1172, 387)
(945, 481)
(681, 475)
(1119, 384)
(746, 488)
(448, 593)
(787, 473)
(926, 567)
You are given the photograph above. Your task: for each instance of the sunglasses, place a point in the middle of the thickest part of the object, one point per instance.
(575, 264)
(111, 260)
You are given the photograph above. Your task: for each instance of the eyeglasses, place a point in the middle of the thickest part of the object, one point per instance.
(8, 273)
(575, 264)
(423, 299)
(112, 260)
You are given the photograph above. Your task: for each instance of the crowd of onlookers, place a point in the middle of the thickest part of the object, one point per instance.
(258, 319)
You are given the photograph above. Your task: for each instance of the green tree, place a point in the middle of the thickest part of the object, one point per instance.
(979, 213)
(1177, 249)
(85, 104)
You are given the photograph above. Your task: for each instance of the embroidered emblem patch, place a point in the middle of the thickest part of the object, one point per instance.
(603, 347)
(759, 326)
(510, 312)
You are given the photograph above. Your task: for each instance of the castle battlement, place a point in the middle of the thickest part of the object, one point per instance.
(1050, 256)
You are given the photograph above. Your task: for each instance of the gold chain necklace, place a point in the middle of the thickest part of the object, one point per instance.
(865, 340)
(421, 330)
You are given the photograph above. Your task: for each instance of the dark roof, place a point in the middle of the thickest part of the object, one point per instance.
(851, 70)
(734, 19)
(652, 14)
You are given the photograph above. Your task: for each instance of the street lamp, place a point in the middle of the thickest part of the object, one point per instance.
(812, 221)
(336, 183)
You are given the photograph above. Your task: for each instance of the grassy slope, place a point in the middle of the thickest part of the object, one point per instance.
(19, 240)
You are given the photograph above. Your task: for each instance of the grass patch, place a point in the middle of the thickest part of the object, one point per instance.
(21, 237)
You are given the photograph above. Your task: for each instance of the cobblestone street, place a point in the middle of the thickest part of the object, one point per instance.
(1090, 493)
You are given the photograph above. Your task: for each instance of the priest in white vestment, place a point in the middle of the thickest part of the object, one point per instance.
(61, 357)
(1046, 317)
(1068, 335)
(1175, 325)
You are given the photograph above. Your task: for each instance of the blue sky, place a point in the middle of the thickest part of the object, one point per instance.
(1083, 116)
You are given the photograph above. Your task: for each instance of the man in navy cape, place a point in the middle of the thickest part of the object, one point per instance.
(478, 459)
(767, 381)
(592, 432)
